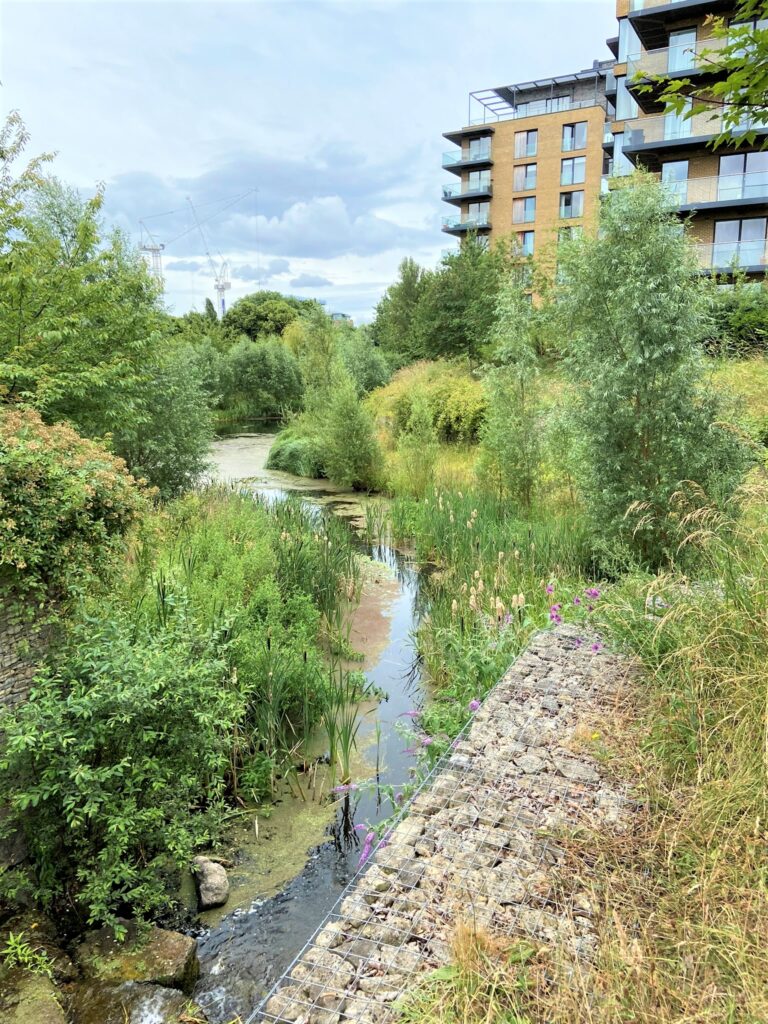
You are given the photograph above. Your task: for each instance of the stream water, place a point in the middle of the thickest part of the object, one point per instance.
(290, 872)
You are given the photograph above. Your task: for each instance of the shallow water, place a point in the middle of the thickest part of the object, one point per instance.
(291, 873)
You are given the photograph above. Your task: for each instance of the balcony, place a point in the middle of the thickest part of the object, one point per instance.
(457, 160)
(458, 192)
(667, 63)
(654, 137)
(721, 257)
(651, 19)
(734, 190)
(458, 225)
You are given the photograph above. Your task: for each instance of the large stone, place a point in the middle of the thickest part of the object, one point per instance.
(212, 883)
(132, 1003)
(27, 998)
(158, 956)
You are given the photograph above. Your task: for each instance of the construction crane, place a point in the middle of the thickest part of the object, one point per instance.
(150, 245)
(220, 271)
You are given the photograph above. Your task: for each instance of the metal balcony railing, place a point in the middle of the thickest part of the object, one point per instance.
(466, 223)
(726, 188)
(726, 255)
(671, 60)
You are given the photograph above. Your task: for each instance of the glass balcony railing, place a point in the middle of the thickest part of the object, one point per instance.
(458, 190)
(669, 127)
(671, 60)
(725, 255)
(457, 223)
(726, 188)
(645, 5)
(457, 156)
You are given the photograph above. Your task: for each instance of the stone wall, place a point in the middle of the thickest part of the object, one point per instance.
(481, 844)
(20, 641)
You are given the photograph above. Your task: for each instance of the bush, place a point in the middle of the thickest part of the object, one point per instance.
(363, 361)
(739, 320)
(417, 448)
(104, 765)
(351, 455)
(65, 504)
(456, 400)
(295, 453)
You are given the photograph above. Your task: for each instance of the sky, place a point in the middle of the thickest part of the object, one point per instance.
(307, 134)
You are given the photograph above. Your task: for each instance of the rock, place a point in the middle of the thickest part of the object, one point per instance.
(132, 1003)
(27, 998)
(158, 956)
(212, 883)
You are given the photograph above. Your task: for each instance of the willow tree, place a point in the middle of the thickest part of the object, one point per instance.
(632, 308)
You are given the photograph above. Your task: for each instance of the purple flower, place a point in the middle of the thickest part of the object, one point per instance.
(367, 847)
(361, 828)
(550, 588)
(578, 642)
(427, 741)
(399, 798)
(349, 788)
(592, 592)
(554, 617)
(597, 647)
(577, 600)
(474, 705)
(555, 607)
(590, 607)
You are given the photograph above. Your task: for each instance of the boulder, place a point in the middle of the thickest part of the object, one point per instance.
(132, 1003)
(212, 883)
(27, 998)
(153, 955)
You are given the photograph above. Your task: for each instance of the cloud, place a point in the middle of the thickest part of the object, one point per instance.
(311, 281)
(272, 268)
(191, 265)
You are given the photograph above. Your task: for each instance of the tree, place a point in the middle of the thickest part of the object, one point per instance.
(351, 454)
(364, 362)
(510, 439)
(264, 313)
(314, 341)
(210, 311)
(739, 97)
(633, 310)
(457, 308)
(394, 327)
(264, 378)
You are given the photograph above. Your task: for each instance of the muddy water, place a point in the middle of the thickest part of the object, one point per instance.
(291, 862)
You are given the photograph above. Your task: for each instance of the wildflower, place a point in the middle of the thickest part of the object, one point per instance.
(590, 607)
(349, 788)
(517, 555)
(501, 556)
(597, 647)
(410, 714)
(556, 608)
(473, 601)
(474, 705)
(554, 617)
(477, 574)
(427, 741)
(480, 586)
(592, 592)
(578, 642)
(577, 601)
(367, 847)
(550, 588)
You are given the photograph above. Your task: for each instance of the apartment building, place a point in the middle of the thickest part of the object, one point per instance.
(536, 157)
(530, 160)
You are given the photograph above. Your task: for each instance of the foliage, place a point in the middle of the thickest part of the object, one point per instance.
(313, 340)
(455, 398)
(417, 447)
(510, 441)
(264, 313)
(168, 439)
(457, 308)
(351, 455)
(394, 327)
(294, 451)
(633, 308)
(736, 97)
(739, 319)
(65, 504)
(747, 379)
(363, 360)
(264, 379)
(18, 952)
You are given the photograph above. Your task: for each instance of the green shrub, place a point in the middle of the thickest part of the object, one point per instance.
(264, 377)
(65, 504)
(417, 448)
(351, 455)
(296, 453)
(364, 362)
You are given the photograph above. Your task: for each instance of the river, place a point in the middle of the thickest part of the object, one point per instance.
(289, 873)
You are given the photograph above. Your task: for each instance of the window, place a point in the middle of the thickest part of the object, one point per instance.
(572, 170)
(526, 143)
(682, 50)
(674, 176)
(523, 210)
(743, 176)
(478, 181)
(571, 204)
(625, 103)
(525, 242)
(621, 165)
(524, 177)
(629, 44)
(479, 149)
(478, 213)
(740, 241)
(574, 136)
